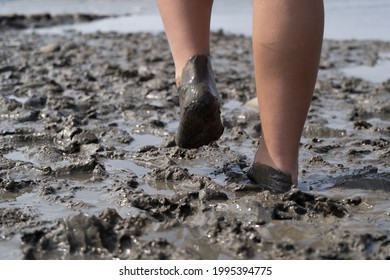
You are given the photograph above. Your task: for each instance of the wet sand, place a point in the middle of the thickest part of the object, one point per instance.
(89, 168)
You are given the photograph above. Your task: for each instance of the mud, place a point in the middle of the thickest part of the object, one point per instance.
(90, 169)
(20, 21)
(271, 179)
(200, 105)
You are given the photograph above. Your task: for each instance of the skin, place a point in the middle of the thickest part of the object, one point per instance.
(287, 40)
(187, 25)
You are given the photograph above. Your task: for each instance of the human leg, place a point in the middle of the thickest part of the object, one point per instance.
(287, 40)
(187, 25)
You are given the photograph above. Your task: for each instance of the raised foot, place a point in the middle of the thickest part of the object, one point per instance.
(200, 117)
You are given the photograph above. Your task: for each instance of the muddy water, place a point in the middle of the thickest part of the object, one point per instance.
(90, 170)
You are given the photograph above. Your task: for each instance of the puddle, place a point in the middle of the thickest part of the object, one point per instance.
(245, 148)
(123, 24)
(334, 113)
(128, 167)
(20, 155)
(60, 166)
(76, 176)
(185, 238)
(11, 248)
(232, 105)
(46, 210)
(140, 139)
(116, 165)
(377, 74)
(19, 99)
(163, 188)
(145, 140)
(173, 126)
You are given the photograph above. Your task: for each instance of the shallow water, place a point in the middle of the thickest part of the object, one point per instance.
(378, 73)
(358, 19)
(344, 154)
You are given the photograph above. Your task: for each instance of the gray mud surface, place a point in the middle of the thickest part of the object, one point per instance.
(89, 168)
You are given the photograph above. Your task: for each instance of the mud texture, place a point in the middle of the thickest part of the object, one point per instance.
(268, 178)
(200, 105)
(20, 21)
(89, 168)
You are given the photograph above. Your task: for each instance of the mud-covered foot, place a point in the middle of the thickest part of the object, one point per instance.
(200, 116)
(269, 178)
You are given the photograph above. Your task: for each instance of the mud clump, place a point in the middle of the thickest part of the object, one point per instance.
(297, 204)
(104, 237)
(13, 186)
(89, 166)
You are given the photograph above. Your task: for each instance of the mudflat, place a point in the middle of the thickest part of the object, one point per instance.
(89, 167)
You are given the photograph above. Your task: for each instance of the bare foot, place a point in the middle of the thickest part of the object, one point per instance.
(275, 175)
(200, 120)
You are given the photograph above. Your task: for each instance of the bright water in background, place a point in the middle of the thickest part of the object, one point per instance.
(345, 19)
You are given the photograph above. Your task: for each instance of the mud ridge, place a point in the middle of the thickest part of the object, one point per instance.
(89, 168)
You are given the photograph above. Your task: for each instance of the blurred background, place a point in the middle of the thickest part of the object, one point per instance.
(345, 19)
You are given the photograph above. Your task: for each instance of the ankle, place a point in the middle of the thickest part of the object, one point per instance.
(282, 162)
(178, 80)
(203, 69)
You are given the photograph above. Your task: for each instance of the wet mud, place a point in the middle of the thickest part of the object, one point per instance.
(89, 167)
(200, 105)
(20, 21)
